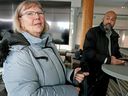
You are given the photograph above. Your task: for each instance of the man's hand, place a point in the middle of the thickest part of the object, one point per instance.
(116, 61)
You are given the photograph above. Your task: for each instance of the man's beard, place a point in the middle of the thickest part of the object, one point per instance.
(108, 27)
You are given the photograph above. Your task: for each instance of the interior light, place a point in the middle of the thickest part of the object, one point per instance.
(49, 23)
(63, 25)
(123, 37)
(6, 20)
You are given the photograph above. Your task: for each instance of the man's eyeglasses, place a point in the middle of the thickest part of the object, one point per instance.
(33, 13)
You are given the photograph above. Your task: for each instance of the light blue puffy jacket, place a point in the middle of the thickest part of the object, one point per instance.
(36, 71)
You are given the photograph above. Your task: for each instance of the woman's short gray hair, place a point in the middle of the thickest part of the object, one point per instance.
(21, 7)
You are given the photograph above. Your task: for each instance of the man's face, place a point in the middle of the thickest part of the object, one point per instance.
(109, 19)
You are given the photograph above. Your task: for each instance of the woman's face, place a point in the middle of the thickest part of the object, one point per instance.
(32, 21)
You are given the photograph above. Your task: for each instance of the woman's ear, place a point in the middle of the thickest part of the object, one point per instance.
(21, 23)
(20, 20)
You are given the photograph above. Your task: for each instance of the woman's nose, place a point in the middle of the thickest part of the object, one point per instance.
(36, 15)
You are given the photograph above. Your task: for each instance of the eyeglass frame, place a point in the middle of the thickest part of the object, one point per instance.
(33, 13)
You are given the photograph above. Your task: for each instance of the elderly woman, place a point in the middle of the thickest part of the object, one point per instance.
(33, 66)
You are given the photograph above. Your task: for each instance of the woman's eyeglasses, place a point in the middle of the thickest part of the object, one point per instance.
(33, 13)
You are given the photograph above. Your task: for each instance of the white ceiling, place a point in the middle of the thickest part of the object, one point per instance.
(113, 3)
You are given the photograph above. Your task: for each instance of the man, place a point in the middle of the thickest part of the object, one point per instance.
(100, 46)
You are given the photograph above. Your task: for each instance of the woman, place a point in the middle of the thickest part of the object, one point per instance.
(33, 66)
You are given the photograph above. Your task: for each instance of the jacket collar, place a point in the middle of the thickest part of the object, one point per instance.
(43, 41)
(114, 34)
(102, 27)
